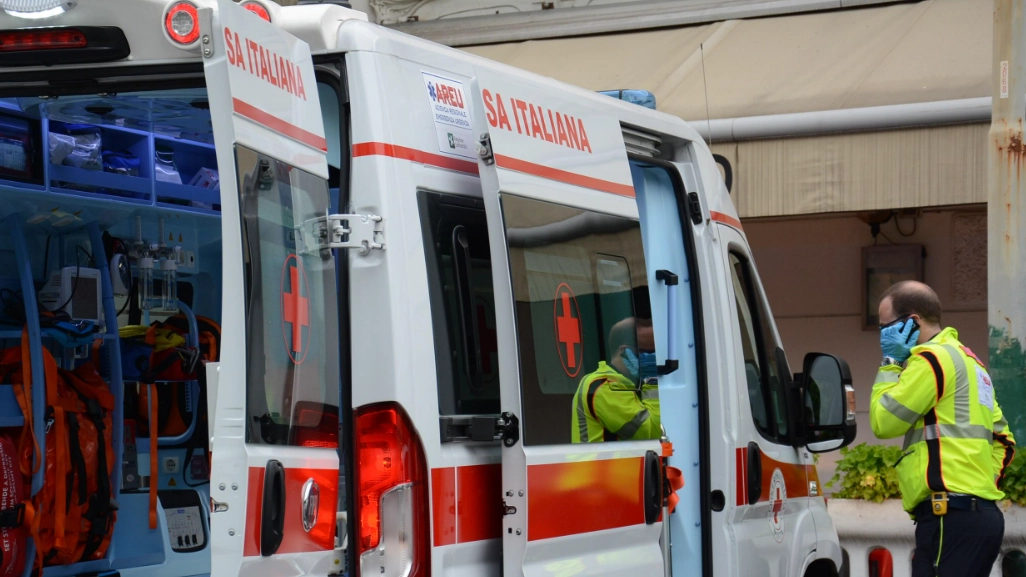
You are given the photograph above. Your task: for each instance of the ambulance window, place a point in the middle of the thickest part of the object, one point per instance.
(765, 365)
(462, 303)
(292, 370)
(582, 308)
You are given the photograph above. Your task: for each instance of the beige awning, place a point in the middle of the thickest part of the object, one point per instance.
(934, 50)
(922, 52)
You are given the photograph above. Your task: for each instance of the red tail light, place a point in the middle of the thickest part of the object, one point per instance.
(389, 455)
(24, 40)
(315, 425)
(257, 9)
(182, 23)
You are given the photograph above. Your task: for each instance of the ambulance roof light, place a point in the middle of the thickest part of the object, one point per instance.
(181, 23)
(257, 8)
(36, 9)
(639, 97)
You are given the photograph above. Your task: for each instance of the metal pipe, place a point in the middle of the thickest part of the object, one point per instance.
(915, 115)
(607, 19)
(1006, 215)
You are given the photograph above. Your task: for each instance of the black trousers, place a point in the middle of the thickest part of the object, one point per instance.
(963, 543)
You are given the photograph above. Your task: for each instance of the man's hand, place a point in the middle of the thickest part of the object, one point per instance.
(897, 340)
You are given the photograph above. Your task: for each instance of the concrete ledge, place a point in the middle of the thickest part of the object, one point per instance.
(863, 526)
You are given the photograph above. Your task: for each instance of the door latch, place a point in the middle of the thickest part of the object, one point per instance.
(217, 506)
(484, 149)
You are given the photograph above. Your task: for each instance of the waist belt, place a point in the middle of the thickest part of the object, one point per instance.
(961, 502)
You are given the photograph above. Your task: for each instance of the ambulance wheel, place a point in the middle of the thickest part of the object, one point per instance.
(821, 568)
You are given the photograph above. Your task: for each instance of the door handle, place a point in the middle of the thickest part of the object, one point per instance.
(671, 280)
(754, 473)
(272, 516)
(653, 487)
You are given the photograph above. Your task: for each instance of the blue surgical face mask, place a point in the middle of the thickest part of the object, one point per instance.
(649, 367)
(630, 360)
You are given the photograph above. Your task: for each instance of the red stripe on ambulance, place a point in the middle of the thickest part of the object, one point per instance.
(563, 176)
(466, 503)
(278, 125)
(572, 498)
(796, 477)
(414, 155)
(725, 219)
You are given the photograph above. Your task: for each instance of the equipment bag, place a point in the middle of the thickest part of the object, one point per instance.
(74, 511)
(13, 533)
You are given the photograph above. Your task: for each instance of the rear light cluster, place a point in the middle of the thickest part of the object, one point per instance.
(392, 504)
(258, 9)
(181, 22)
(314, 425)
(41, 39)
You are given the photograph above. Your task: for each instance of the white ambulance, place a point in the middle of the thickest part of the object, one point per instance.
(415, 257)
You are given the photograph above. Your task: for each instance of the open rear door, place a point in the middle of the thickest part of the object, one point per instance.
(274, 397)
(573, 318)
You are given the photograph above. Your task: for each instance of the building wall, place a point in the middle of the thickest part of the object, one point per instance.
(811, 267)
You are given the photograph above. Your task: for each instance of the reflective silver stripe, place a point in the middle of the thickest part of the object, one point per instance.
(910, 438)
(887, 377)
(898, 410)
(628, 430)
(582, 417)
(961, 386)
(999, 426)
(948, 432)
(652, 393)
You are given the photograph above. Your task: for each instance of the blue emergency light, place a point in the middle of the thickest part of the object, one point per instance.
(639, 97)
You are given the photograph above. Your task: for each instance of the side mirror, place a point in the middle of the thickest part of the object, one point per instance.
(828, 403)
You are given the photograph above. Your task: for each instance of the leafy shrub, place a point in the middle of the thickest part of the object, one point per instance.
(1014, 483)
(869, 473)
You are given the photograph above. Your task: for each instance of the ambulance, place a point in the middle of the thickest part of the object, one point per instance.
(336, 288)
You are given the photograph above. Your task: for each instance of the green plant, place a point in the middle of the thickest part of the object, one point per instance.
(869, 473)
(1014, 483)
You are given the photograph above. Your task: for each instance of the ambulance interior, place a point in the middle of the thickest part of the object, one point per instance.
(125, 187)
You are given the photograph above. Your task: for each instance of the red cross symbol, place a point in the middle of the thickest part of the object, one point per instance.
(568, 329)
(295, 308)
(489, 342)
(778, 505)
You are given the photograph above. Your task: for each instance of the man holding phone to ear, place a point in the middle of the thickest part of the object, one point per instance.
(933, 390)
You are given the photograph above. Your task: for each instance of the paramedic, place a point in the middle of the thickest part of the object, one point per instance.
(609, 405)
(933, 390)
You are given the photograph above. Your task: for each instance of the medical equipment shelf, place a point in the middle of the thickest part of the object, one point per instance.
(147, 188)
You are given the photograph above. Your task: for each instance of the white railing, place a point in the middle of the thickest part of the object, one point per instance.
(863, 526)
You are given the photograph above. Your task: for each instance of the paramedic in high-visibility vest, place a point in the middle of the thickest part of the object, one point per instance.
(935, 392)
(609, 404)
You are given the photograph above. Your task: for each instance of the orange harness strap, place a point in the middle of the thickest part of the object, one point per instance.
(154, 476)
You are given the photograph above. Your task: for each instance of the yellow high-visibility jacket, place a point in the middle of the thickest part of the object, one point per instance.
(609, 407)
(943, 402)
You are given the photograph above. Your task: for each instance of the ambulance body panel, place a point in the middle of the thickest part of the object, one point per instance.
(435, 145)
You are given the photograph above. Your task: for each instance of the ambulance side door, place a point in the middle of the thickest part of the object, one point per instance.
(772, 522)
(275, 394)
(571, 299)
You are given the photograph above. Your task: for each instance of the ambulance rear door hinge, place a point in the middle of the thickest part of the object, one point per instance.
(484, 149)
(363, 232)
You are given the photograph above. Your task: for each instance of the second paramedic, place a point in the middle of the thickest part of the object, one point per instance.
(609, 404)
(933, 390)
